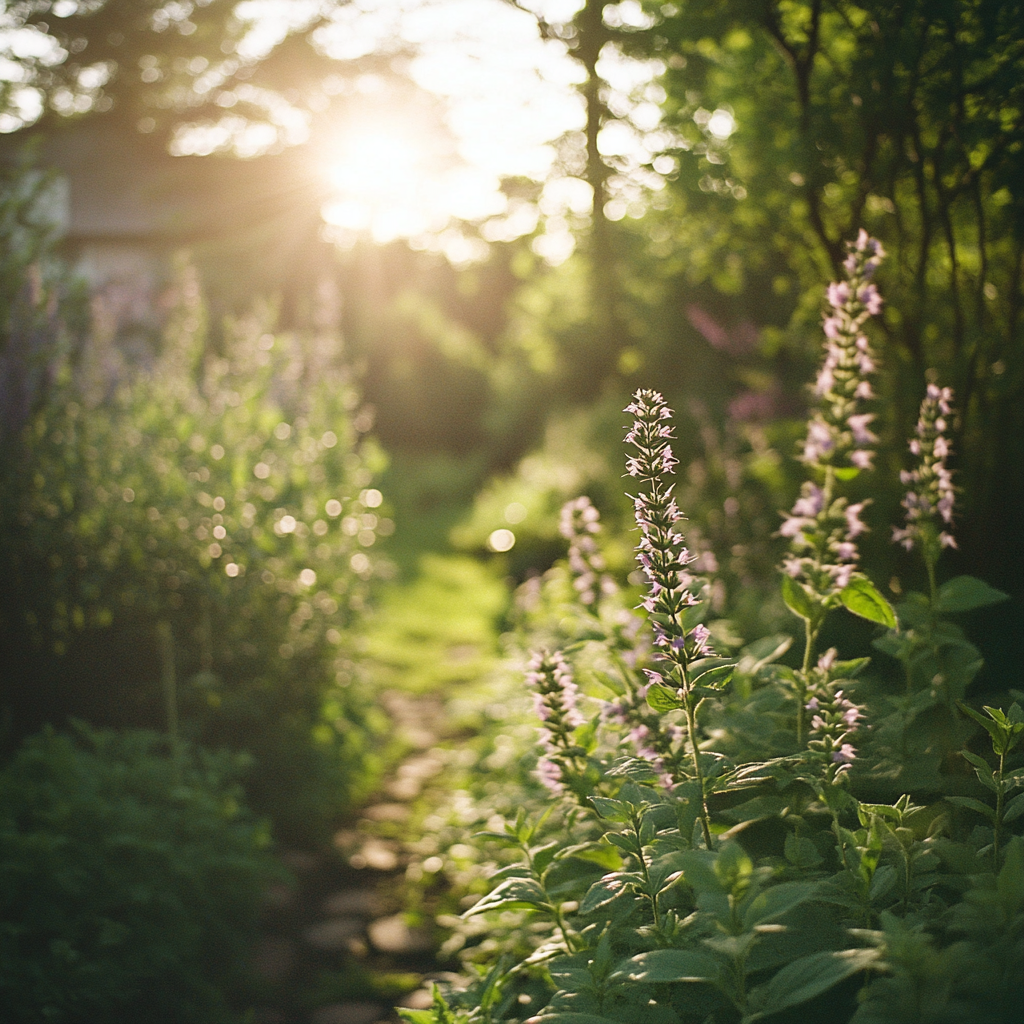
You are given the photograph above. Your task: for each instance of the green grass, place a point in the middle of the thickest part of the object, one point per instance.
(439, 628)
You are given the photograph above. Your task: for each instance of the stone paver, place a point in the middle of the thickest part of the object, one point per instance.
(339, 920)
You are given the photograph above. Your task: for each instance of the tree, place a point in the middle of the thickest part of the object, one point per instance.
(153, 65)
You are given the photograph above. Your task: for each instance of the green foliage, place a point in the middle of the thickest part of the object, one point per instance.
(190, 538)
(775, 872)
(131, 881)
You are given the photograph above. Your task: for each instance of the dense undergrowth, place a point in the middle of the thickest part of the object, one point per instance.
(131, 880)
(721, 828)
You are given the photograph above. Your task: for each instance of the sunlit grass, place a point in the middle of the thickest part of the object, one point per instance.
(438, 629)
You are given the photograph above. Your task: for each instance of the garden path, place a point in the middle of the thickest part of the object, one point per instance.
(356, 935)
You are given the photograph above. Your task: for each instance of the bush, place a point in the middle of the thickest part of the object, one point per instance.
(130, 881)
(186, 535)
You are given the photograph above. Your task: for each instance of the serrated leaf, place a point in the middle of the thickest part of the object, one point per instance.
(715, 678)
(625, 843)
(667, 965)
(602, 893)
(965, 593)
(798, 601)
(808, 977)
(860, 597)
(662, 699)
(974, 805)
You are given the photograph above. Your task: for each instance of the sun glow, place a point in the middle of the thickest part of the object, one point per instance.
(391, 177)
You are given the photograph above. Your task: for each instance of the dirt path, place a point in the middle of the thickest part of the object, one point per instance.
(357, 935)
(341, 947)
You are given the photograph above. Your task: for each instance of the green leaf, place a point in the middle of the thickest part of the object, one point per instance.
(885, 810)
(598, 895)
(715, 678)
(850, 668)
(763, 652)
(609, 809)
(965, 593)
(1015, 808)
(992, 727)
(776, 901)
(978, 762)
(798, 601)
(846, 473)
(694, 615)
(596, 853)
(974, 805)
(512, 894)
(802, 852)
(808, 977)
(667, 965)
(662, 699)
(860, 597)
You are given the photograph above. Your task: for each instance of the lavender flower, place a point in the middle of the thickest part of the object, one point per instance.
(929, 502)
(665, 562)
(555, 701)
(556, 694)
(660, 552)
(838, 434)
(579, 524)
(822, 550)
(822, 528)
(835, 718)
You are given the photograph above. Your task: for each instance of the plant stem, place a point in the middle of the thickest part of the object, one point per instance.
(810, 634)
(691, 728)
(646, 873)
(999, 813)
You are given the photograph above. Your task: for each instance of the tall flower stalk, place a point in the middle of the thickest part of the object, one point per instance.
(820, 569)
(555, 699)
(579, 524)
(929, 501)
(680, 644)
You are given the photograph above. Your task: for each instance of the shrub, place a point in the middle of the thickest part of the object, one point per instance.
(185, 538)
(130, 881)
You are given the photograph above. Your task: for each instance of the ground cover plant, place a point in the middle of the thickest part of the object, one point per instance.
(130, 881)
(736, 829)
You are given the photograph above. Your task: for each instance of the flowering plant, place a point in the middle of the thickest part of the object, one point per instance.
(690, 877)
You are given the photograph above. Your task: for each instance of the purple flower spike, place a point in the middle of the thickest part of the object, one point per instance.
(929, 501)
(822, 528)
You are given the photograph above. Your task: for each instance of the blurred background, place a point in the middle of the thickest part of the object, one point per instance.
(313, 313)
